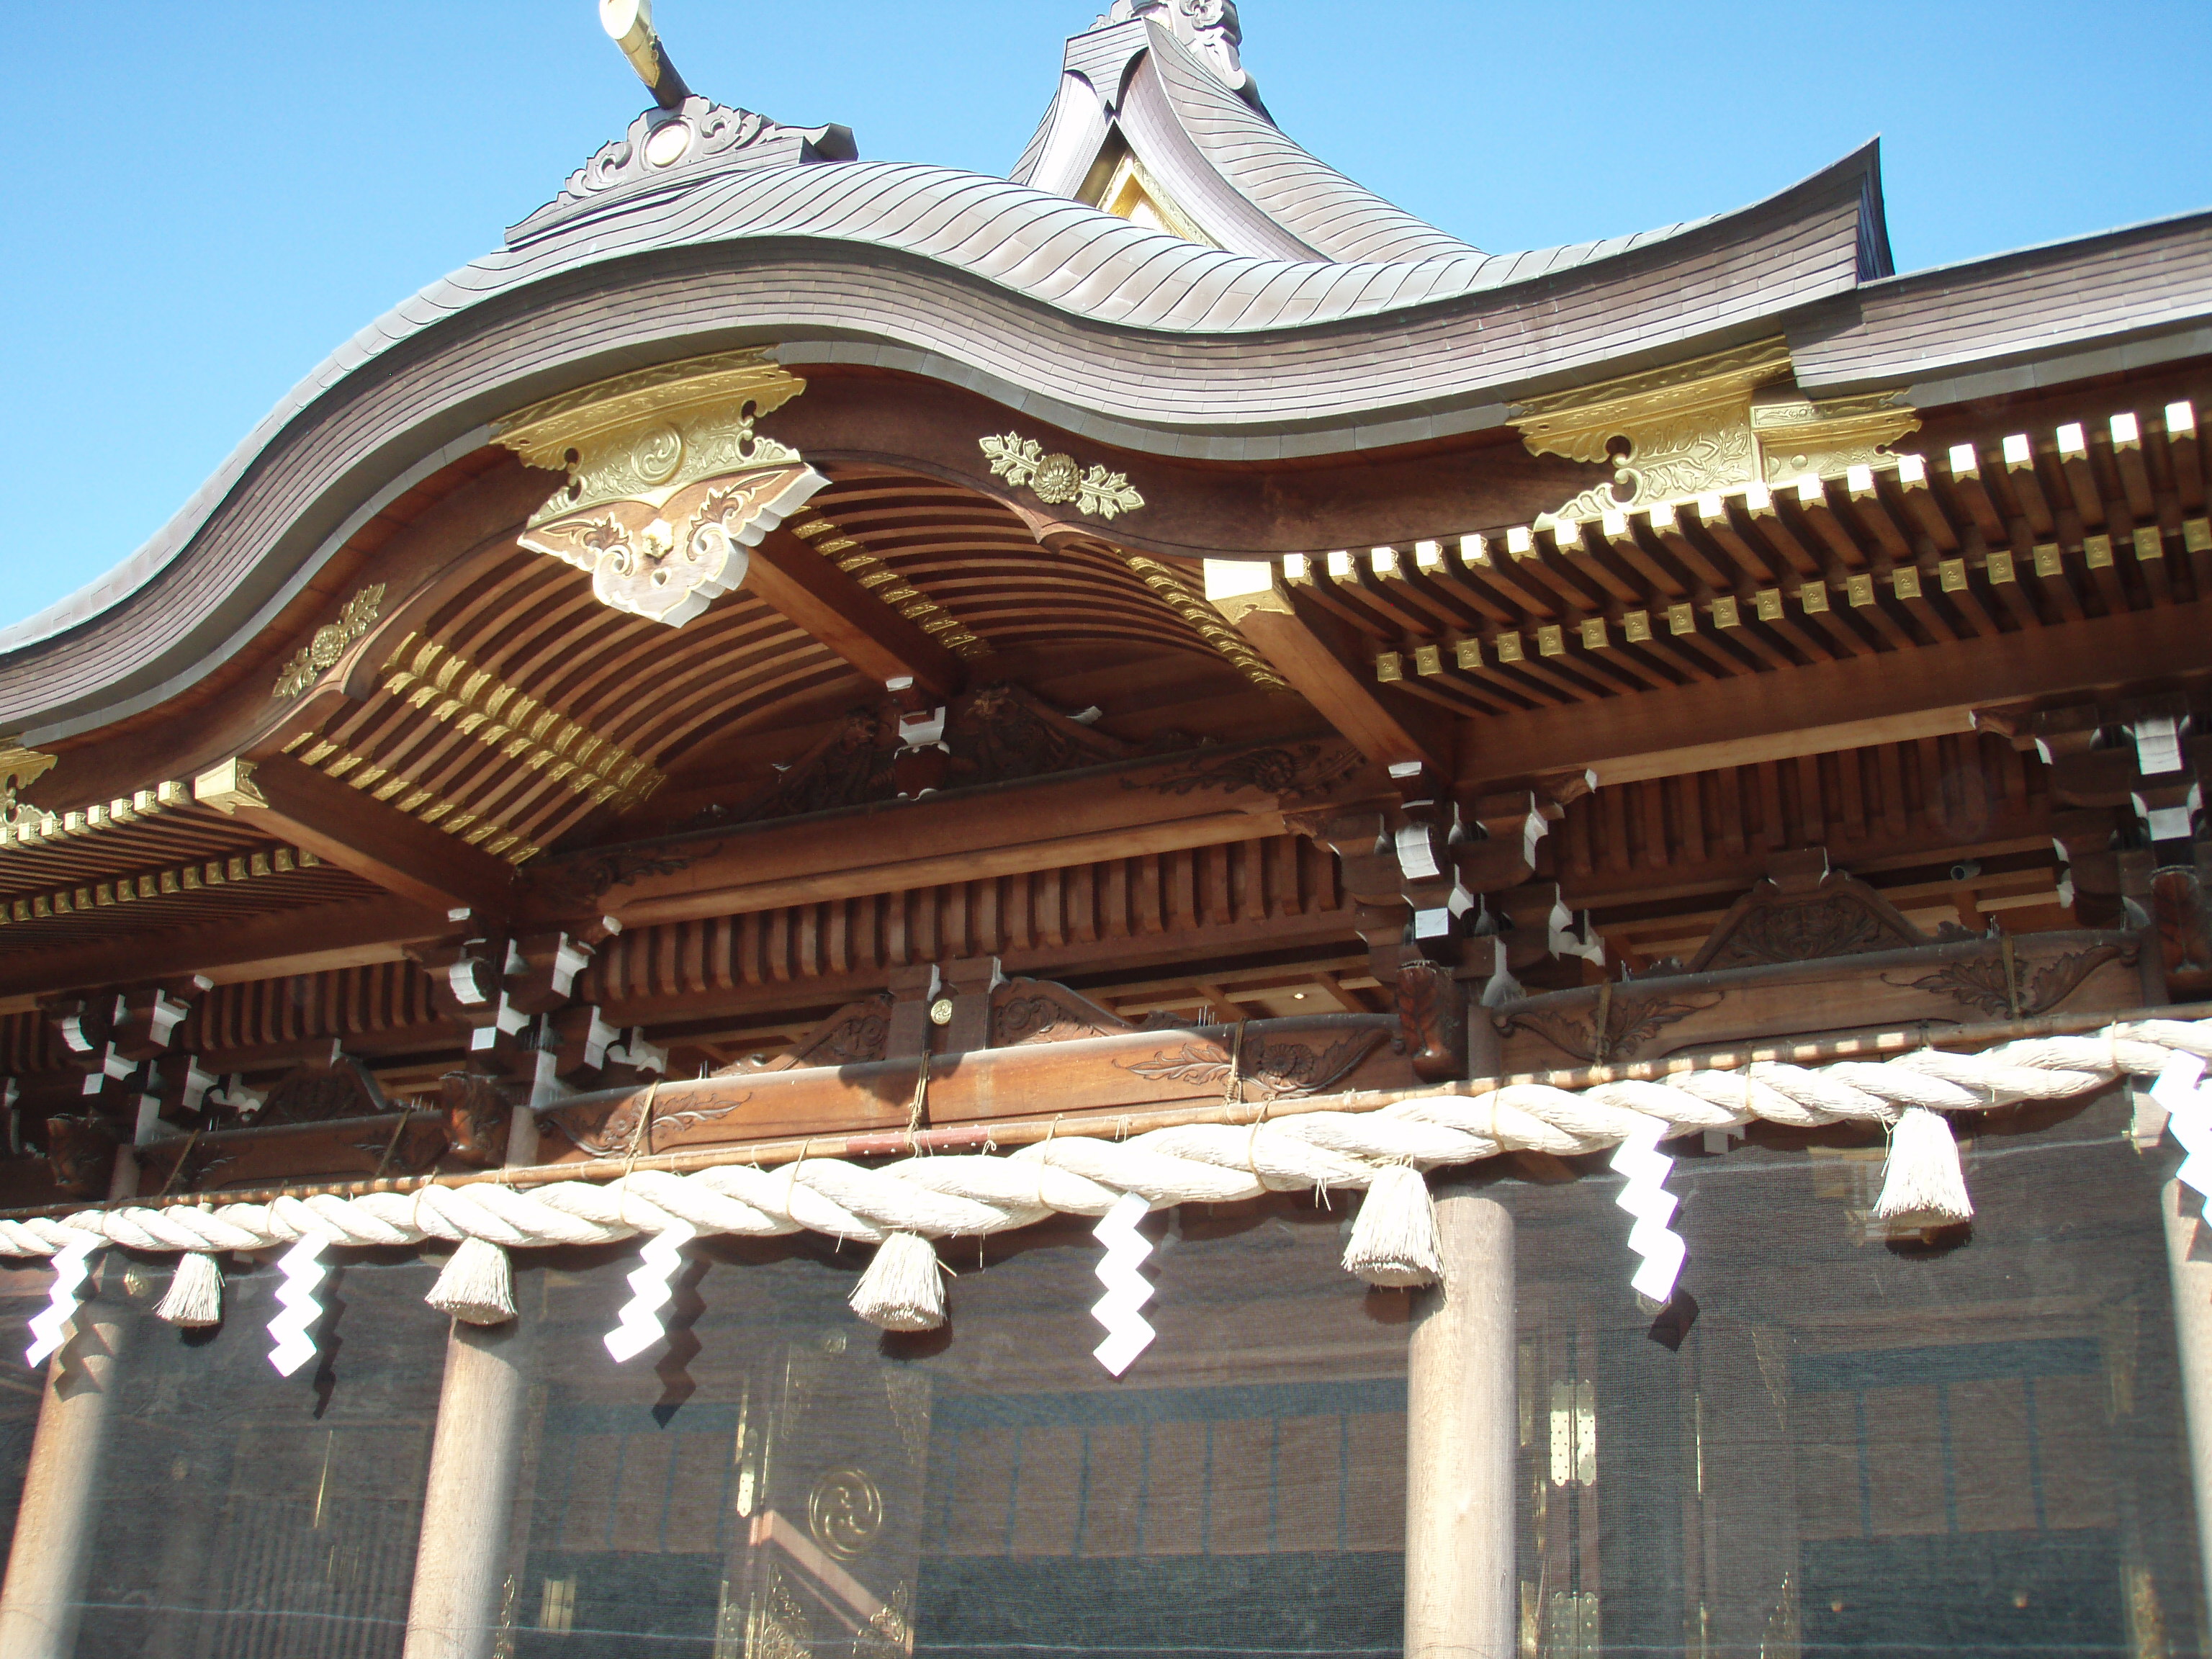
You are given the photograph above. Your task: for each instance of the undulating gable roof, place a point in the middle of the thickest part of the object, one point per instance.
(1247, 185)
(1361, 328)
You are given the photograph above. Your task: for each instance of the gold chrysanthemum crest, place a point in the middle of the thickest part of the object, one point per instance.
(1055, 479)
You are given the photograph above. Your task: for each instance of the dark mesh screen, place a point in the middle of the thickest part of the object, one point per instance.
(252, 1517)
(1835, 1442)
(786, 1482)
(1859, 1445)
(23, 1292)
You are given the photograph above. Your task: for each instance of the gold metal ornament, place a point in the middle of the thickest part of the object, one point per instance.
(20, 768)
(1712, 426)
(321, 653)
(669, 484)
(1056, 479)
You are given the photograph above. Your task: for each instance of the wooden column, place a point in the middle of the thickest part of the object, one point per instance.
(468, 1507)
(48, 1567)
(1461, 1442)
(2189, 1262)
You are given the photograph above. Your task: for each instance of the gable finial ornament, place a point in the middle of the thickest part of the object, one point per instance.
(669, 484)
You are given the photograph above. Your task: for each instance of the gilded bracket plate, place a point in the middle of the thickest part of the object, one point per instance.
(669, 483)
(1707, 427)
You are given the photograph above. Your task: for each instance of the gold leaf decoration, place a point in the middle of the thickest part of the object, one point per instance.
(322, 652)
(1056, 479)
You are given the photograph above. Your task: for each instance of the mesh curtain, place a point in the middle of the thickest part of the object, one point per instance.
(1834, 1441)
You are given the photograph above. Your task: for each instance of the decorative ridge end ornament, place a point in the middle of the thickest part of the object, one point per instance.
(1710, 426)
(685, 139)
(322, 652)
(1056, 479)
(669, 484)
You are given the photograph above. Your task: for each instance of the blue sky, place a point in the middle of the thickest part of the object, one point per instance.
(204, 200)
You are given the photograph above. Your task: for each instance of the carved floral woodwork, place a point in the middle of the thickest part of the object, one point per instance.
(1932, 984)
(1803, 911)
(1999, 985)
(994, 734)
(2181, 911)
(322, 652)
(1039, 1011)
(1262, 1066)
(1057, 479)
(1294, 773)
(669, 483)
(1706, 427)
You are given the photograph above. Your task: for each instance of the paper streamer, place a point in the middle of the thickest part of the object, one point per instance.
(304, 1272)
(640, 1327)
(1127, 1333)
(72, 1266)
(2188, 1117)
(1646, 1198)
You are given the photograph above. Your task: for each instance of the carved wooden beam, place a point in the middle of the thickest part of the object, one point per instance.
(358, 832)
(1850, 703)
(852, 621)
(270, 946)
(1200, 799)
(1309, 651)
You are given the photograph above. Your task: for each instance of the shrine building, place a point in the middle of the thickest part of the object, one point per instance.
(847, 908)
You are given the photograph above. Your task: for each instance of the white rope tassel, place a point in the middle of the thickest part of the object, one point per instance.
(904, 1289)
(1344, 1148)
(1119, 1310)
(195, 1297)
(1922, 1182)
(1393, 1241)
(649, 1282)
(303, 1270)
(72, 1266)
(478, 1285)
(1646, 1198)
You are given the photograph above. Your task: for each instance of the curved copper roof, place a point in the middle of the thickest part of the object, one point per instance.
(1368, 328)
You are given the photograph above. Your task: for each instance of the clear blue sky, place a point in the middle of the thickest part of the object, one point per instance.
(203, 200)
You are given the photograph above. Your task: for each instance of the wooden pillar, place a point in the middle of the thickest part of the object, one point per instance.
(2189, 1263)
(468, 1506)
(1461, 1442)
(47, 1569)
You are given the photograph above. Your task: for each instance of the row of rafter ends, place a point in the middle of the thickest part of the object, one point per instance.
(379, 783)
(1205, 621)
(502, 717)
(1725, 611)
(2016, 453)
(34, 828)
(871, 572)
(162, 884)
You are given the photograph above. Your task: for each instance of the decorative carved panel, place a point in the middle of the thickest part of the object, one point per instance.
(1038, 1010)
(1796, 915)
(1958, 983)
(994, 734)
